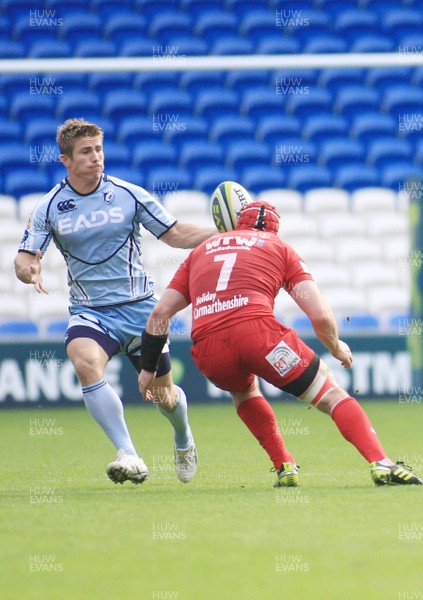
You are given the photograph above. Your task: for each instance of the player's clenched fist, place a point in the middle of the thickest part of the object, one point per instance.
(343, 354)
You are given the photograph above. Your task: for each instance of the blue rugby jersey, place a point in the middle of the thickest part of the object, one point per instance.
(99, 237)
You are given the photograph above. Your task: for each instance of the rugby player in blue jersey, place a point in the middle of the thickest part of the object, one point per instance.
(94, 220)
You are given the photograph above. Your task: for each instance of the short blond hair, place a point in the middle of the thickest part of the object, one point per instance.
(73, 129)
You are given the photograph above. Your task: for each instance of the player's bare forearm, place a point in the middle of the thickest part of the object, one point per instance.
(169, 304)
(187, 235)
(28, 270)
(308, 297)
(23, 262)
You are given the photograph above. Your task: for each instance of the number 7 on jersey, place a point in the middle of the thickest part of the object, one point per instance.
(226, 270)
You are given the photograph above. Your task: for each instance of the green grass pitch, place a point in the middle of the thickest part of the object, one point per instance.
(68, 533)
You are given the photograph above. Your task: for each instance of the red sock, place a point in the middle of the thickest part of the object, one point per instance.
(260, 419)
(356, 427)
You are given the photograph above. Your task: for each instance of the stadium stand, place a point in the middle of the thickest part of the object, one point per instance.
(353, 134)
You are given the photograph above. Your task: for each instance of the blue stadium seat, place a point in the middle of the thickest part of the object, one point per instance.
(352, 23)
(121, 103)
(197, 81)
(302, 323)
(169, 25)
(229, 129)
(304, 23)
(115, 155)
(258, 179)
(9, 49)
(418, 158)
(399, 21)
(151, 155)
(417, 77)
(57, 327)
(360, 322)
(353, 100)
(258, 24)
(133, 130)
(78, 104)
(12, 84)
(55, 174)
(381, 153)
(67, 83)
(196, 155)
(297, 81)
(179, 102)
(11, 131)
(186, 129)
(241, 7)
(404, 99)
(15, 8)
(373, 43)
(211, 105)
(261, 103)
(25, 31)
(232, 46)
(41, 132)
(188, 46)
(397, 173)
(151, 82)
(22, 328)
(81, 26)
(130, 175)
(26, 180)
(335, 79)
(385, 78)
(306, 177)
(206, 179)
(138, 47)
(292, 151)
(367, 126)
(351, 178)
(151, 8)
(241, 155)
(278, 45)
(317, 101)
(102, 83)
(325, 44)
(239, 81)
(43, 49)
(15, 154)
(319, 128)
(214, 25)
(198, 6)
(120, 27)
(3, 107)
(95, 48)
(65, 5)
(164, 179)
(274, 129)
(337, 153)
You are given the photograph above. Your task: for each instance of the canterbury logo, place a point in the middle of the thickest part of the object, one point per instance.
(66, 206)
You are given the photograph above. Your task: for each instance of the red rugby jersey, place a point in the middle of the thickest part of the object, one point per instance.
(235, 276)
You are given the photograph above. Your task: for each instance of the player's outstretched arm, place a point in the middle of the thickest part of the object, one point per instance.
(308, 297)
(187, 235)
(28, 270)
(155, 336)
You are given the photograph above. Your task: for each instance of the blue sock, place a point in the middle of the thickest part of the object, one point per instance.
(106, 408)
(178, 417)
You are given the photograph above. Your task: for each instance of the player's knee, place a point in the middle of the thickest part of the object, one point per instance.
(324, 392)
(88, 369)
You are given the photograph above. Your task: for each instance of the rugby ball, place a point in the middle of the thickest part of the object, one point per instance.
(228, 199)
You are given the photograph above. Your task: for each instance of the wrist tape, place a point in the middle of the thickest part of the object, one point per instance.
(151, 350)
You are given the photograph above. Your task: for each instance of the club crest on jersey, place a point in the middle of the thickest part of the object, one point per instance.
(108, 196)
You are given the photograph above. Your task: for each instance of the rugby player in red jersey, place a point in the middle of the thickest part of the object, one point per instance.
(231, 280)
